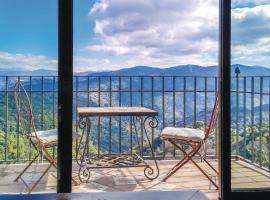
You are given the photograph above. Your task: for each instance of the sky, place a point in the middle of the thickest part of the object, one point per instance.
(115, 34)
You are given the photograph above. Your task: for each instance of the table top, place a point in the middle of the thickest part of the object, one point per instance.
(115, 111)
(158, 195)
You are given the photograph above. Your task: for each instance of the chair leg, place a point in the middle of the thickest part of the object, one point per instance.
(211, 166)
(187, 157)
(53, 162)
(175, 168)
(207, 162)
(25, 169)
(190, 158)
(37, 182)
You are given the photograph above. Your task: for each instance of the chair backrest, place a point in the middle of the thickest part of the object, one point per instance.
(24, 109)
(214, 117)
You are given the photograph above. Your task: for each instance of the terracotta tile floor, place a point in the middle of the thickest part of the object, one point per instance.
(133, 179)
(245, 175)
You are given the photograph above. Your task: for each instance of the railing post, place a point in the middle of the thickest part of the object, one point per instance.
(237, 72)
(244, 117)
(7, 123)
(260, 122)
(269, 129)
(252, 119)
(163, 115)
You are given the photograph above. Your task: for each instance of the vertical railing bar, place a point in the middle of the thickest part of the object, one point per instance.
(18, 128)
(205, 104)
(195, 102)
(237, 115)
(53, 93)
(174, 120)
(30, 145)
(76, 107)
(76, 101)
(152, 107)
(88, 91)
(130, 119)
(268, 139)
(184, 103)
(120, 119)
(98, 117)
(260, 122)
(6, 132)
(42, 109)
(42, 102)
(141, 118)
(205, 108)
(216, 129)
(174, 105)
(252, 119)
(163, 116)
(244, 117)
(110, 118)
(53, 89)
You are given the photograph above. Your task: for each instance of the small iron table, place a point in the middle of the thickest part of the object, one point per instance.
(87, 161)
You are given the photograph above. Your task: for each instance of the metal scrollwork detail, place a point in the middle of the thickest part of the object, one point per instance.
(149, 171)
(153, 122)
(84, 174)
(82, 123)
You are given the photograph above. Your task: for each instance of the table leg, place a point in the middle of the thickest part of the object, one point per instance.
(148, 170)
(134, 119)
(82, 154)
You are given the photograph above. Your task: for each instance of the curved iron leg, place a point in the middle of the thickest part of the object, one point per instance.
(82, 160)
(149, 171)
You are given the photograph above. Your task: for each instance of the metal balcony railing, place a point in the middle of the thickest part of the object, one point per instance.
(251, 119)
(182, 101)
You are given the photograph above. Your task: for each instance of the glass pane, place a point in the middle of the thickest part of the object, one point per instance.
(250, 101)
(28, 54)
(161, 55)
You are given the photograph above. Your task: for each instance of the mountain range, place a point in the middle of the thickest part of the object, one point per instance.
(181, 70)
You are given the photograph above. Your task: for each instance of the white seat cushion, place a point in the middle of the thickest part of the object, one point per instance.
(48, 136)
(189, 134)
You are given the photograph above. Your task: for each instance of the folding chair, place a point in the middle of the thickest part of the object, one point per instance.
(42, 141)
(194, 139)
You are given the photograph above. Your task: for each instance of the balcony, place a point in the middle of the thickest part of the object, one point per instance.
(182, 101)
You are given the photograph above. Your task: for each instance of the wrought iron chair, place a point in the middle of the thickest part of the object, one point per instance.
(42, 141)
(195, 140)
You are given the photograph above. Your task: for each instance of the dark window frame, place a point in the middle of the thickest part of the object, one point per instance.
(227, 193)
(65, 95)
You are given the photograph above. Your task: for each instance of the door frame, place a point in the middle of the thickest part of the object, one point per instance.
(226, 192)
(65, 95)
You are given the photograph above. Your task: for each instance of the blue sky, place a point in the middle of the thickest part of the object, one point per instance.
(114, 34)
(29, 27)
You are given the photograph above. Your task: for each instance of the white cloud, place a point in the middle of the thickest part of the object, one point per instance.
(26, 61)
(251, 35)
(246, 3)
(83, 64)
(159, 33)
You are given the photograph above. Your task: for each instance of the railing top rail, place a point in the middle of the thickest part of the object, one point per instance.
(264, 76)
(138, 76)
(128, 76)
